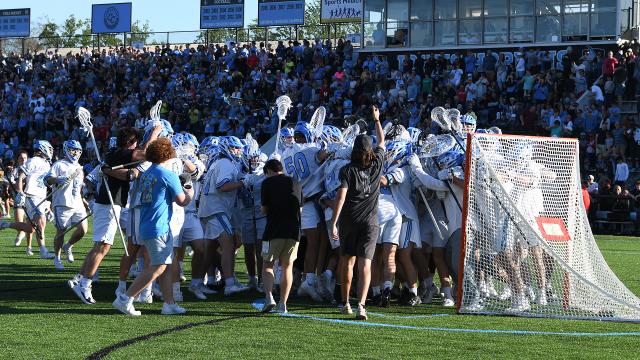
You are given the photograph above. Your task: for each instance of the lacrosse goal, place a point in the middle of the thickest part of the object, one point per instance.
(527, 248)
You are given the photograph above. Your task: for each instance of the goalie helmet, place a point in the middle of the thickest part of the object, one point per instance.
(331, 134)
(286, 136)
(450, 159)
(113, 142)
(44, 148)
(72, 150)
(303, 130)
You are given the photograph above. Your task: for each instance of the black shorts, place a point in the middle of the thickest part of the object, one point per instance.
(358, 239)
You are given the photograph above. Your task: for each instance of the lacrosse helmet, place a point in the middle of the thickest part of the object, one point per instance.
(231, 147)
(113, 142)
(450, 159)
(396, 152)
(72, 150)
(468, 123)
(414, 134)
(45, 148)
(331, 134)
(286, 136)
(303, 130)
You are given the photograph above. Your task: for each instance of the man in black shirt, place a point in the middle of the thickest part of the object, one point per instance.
(356, 209)
(282, 203)
(104, 223)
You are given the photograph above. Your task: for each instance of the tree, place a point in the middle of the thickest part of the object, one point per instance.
(70, 30)
(49, 34)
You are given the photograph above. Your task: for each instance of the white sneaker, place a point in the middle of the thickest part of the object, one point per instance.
(67, 250)
(29, 251)
(490, 289)
(71, 283)
(448, 302)
(309, 290)
(235, 288)
(268, 305)
(520, 304)
(197, 292)
(45, 254)
(120, 291)
(144, 298)
(205, 289)
(361, 313)
(84, 294)
(346, 309)
(172, 309)
(281, 309)
(505, 294)
(125, 308)
(57, 263)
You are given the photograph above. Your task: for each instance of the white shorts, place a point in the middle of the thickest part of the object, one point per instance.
(65, 217)
(175, 225)
(390, 231)
(191, 230)
(124, 220)
(215, 225)
(430, 236)
(133, 231)
(409, 232)
(41, 210)
(249, 236)
(309, 217)
(105, 226)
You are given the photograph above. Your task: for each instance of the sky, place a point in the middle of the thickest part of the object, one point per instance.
(163, 15)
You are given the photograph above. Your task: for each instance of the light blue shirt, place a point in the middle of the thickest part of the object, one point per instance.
(159, 187)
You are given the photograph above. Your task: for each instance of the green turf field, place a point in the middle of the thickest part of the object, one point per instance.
(40, 318)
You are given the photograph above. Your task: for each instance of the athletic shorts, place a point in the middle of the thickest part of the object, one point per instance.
(390, 231)
(358, 239)
(409, 233)
(236, 218)
(64, 217)
(105, 226)
(41, 210)
(160, 249)
(430, 236)
(280, 249)
(133, 232)
(175, 225)
(215, 225)
(249, 236)
(124, 220)
(192, 228)
(309, 217)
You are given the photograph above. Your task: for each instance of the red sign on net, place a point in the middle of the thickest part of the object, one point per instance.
(553, 229)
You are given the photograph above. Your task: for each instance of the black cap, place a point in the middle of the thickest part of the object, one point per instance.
(363, 143)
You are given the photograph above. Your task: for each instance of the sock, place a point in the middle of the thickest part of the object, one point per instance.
(413, 291)
(310, 278)
(388, 285)
(85, 282)
(230, 281)
(125, 298)
(329, 273)
(20, 236)
(122, 284)
(196, 282)
(176, 287)
(375, 290)
(447, 292)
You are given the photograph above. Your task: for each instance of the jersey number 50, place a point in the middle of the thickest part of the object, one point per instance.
(297, 166)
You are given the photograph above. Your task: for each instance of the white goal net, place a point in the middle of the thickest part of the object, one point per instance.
(528, 249)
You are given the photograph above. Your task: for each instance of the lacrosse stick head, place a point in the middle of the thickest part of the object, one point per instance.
(317, 120)
(283, 103)
(453, 116)
(154, 113)
(438, 117)
(397, 133)
(436, 145)
(84, 116)
(494, 130)
(349, 134)
(362, 124)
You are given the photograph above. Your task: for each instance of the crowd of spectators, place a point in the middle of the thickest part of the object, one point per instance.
(229, 89)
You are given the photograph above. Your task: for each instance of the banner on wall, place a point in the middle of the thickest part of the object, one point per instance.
(280, 12)
(15, 23)
(217, 14)
(111, 18)
(340, 11)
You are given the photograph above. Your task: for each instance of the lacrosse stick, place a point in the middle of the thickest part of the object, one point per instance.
(442, 118)
(73, 176)
(433, 218)
(77, 223)
(349, 134)
(154, 113)
(28, 199)
(436, 145)
(317, 121)
(85, 121)
(283, 103)
(362, 123)
(118, 167)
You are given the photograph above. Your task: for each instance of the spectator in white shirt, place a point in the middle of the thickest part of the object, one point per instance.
(622, 172)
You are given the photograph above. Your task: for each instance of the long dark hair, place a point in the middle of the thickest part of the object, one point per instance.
(362, 158)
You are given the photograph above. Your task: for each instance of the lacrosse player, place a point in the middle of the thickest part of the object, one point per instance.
(18, 209)
(104, 221)
(301, 161)
(68, 205)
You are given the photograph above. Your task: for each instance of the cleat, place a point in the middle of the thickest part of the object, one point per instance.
(29, 251)
(144, 298)
(67, 250)
(413, 300)
(57, 263)
(385, 299)
(346, 309)
(125, 308)
(197, 292)
(361, 313)
(234, 289)
(172, 309)
(84, 294)
(45, 254)
(268, 305)
(281, 309)
(309, 290)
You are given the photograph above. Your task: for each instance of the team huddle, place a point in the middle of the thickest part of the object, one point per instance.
(220, 183)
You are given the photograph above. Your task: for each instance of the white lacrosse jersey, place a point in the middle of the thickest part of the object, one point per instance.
(300, 162)
(69, 195)
(134, 189)
(401, 190)
(213, 201)
(251, 196)
(35, 170)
